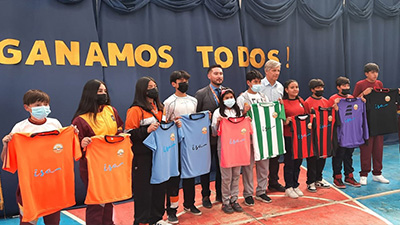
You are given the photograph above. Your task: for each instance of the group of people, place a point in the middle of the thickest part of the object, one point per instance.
(95, 116)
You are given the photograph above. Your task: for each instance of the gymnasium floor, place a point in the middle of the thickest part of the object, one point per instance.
(372, 204)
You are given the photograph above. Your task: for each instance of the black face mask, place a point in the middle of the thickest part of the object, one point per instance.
(102, 99)
(152, 93)
(183, 87)
(345, 91)
(319, 93)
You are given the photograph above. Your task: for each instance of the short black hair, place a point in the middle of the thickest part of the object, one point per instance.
(213, 66)
(371, 67)
(35, 95)
(342, 80)
(179, 74)
(253, 74)
(315, 83)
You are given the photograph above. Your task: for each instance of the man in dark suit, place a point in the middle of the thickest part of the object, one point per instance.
(208, 99)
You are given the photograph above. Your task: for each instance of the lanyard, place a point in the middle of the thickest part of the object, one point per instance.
(215, 95)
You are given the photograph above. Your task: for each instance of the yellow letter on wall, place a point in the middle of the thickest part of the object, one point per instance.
(95, 55)
(16, 54)
(63, 52)
(126, 54)
(204, 54)
(38, 53)
(168, 58)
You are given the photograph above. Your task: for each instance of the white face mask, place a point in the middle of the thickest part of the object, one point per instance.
(40, 112)
(229, 102)
(256, 87)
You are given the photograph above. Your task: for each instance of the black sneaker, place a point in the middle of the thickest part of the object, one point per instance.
(236, 207)
(207, 203)
(264, 198)
(249, 201)
(172, 218)
(193, 210)
(227, 208)
(276, 187)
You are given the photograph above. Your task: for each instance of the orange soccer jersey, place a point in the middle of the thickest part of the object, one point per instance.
(109, 161)
(45, 170)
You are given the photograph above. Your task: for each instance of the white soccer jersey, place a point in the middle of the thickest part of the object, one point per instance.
(175, 106)
(267, 123)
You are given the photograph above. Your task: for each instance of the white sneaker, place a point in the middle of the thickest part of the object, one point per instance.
(380, 178)
(162, 222)
(322, 184)
(291, 193)
(298, 192)
(311, 187)
(363, 180)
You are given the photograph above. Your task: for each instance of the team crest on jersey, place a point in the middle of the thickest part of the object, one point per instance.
(120, 152)
(243, 131)
(204, 130)
(355, 106)
(309, 126)
(274, 115)
(58, 148)
(112, 117)
(387, 98)
(330, 118)
(172, 137)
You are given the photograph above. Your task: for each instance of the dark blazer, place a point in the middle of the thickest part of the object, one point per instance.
(205, 100)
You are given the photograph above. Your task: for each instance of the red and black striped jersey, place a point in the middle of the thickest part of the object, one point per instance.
(302, 139)
(324, 121)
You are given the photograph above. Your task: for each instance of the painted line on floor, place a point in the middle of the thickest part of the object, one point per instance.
(72, 216)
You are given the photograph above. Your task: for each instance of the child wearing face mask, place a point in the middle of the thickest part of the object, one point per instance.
(250, 96)
(343, 156)
(180, 103)
(315, 164)
(36, 102)
(229, 176)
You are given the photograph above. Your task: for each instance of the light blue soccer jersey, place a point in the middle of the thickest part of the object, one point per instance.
(164, 144)
(195, 145)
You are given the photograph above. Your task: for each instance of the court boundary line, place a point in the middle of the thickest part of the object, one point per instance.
(72, 216)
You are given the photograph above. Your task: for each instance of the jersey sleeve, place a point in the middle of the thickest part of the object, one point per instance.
(214, 123)
(150, 141)
(133, 117)
(282, 114)
(357, 90)
(240, 101)
(120, 122)
(365, 123)
(10, 161)
(181, 135)
(76, 147)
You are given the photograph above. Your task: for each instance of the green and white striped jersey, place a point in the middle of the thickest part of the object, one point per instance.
(267, 123)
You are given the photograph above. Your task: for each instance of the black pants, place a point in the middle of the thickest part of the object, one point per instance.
(291, 169)
(149, 198)
(173, 190)
(343, 156)
(315, 166)
(273, 171)
(205, 179)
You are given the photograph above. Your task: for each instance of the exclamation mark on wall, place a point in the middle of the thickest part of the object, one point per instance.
(287, 56)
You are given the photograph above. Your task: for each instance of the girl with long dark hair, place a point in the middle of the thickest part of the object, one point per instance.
(95, 116)
(143, 117)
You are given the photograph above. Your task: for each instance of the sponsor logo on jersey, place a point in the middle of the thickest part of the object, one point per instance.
(204, 130)
(58, 148)
(387, 98)
(120, 152)
(41, 173)
(172, 137)
(112, 117)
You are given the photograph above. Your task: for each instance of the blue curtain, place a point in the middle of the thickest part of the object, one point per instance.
(269, 12)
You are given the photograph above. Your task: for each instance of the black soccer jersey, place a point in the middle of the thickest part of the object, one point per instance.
(301, 127)
(382, 111)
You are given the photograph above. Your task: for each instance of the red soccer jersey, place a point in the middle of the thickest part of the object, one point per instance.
(301, 127)
(235, 141)
(293, 107)
(364, 84)
(45, 169)
(324, 121)
(109, 161)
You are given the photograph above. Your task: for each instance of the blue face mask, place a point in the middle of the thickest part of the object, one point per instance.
(256, 87)
(229, 102)
(40, 112)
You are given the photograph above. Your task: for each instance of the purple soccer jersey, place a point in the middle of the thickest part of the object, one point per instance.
(352, 128)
